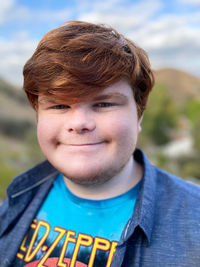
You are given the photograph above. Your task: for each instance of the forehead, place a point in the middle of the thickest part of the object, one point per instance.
(122, 87)
(119, 90)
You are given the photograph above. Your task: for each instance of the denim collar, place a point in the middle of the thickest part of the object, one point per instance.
(22, 190)
(143, 216)
(31, 179)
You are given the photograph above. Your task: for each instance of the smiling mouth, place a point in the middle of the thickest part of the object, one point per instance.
(87, 144)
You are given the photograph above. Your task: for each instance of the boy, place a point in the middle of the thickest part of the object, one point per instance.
(97, 201)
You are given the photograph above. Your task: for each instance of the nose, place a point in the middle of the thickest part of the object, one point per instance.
(81, 120)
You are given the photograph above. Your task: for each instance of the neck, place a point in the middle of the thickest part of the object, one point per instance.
(129, 176)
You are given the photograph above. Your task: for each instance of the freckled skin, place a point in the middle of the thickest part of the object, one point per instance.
(91, 142)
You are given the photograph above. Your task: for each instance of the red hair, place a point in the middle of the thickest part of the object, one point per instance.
(79, 59)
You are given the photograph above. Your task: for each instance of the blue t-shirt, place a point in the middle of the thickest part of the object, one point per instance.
(72, 231)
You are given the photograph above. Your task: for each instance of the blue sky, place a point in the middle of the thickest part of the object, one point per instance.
(169, 30)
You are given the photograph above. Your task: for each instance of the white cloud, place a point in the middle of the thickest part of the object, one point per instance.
(14, 53)
(189, 2)
(9, 11)
(123, 17)
(167, 31)
(4, 9)
(171, 41)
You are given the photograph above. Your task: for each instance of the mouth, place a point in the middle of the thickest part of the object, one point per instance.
(87, 144)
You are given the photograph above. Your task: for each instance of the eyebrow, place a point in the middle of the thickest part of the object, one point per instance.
(45, 100)
(110, 96)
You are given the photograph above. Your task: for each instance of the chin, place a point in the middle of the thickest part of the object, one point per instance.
(87, 172)
(91, 176)
(79, 170)
(87, 177)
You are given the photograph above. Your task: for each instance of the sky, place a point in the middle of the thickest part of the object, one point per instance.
(169, 30)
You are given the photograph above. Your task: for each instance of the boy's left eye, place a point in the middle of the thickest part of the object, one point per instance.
(104, 105)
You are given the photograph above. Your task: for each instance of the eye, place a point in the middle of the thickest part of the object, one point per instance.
(60, 107)
(104, 105)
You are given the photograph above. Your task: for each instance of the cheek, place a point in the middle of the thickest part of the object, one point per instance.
(123, 130)
(46, 131)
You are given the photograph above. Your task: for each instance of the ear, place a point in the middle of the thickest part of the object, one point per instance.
(139, 123)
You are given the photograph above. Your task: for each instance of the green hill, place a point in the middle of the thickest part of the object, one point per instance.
(18, 144)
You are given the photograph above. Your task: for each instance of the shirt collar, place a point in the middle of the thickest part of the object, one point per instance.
(143, 216)
(32, 178)
(21, 192)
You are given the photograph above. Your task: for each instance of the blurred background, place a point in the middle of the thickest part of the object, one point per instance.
(168, 30)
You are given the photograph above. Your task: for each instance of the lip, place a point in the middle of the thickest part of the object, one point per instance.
(86, 144)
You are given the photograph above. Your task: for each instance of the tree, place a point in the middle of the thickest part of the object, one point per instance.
(160, 118)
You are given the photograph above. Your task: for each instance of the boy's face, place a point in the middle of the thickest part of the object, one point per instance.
(90, 142)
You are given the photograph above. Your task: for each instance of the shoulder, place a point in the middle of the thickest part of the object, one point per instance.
(177, 215)
(25, 185)
(165, 188)
(167, 192)
(177, 200)
(169, 208)
(176, 186)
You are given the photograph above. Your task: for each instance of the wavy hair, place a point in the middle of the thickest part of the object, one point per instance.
(79, 59)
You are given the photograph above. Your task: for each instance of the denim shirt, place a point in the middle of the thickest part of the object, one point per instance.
(164, 229)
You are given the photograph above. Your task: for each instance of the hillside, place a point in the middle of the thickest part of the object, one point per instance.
(14, 104)
(18, 145)
(180, 85)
